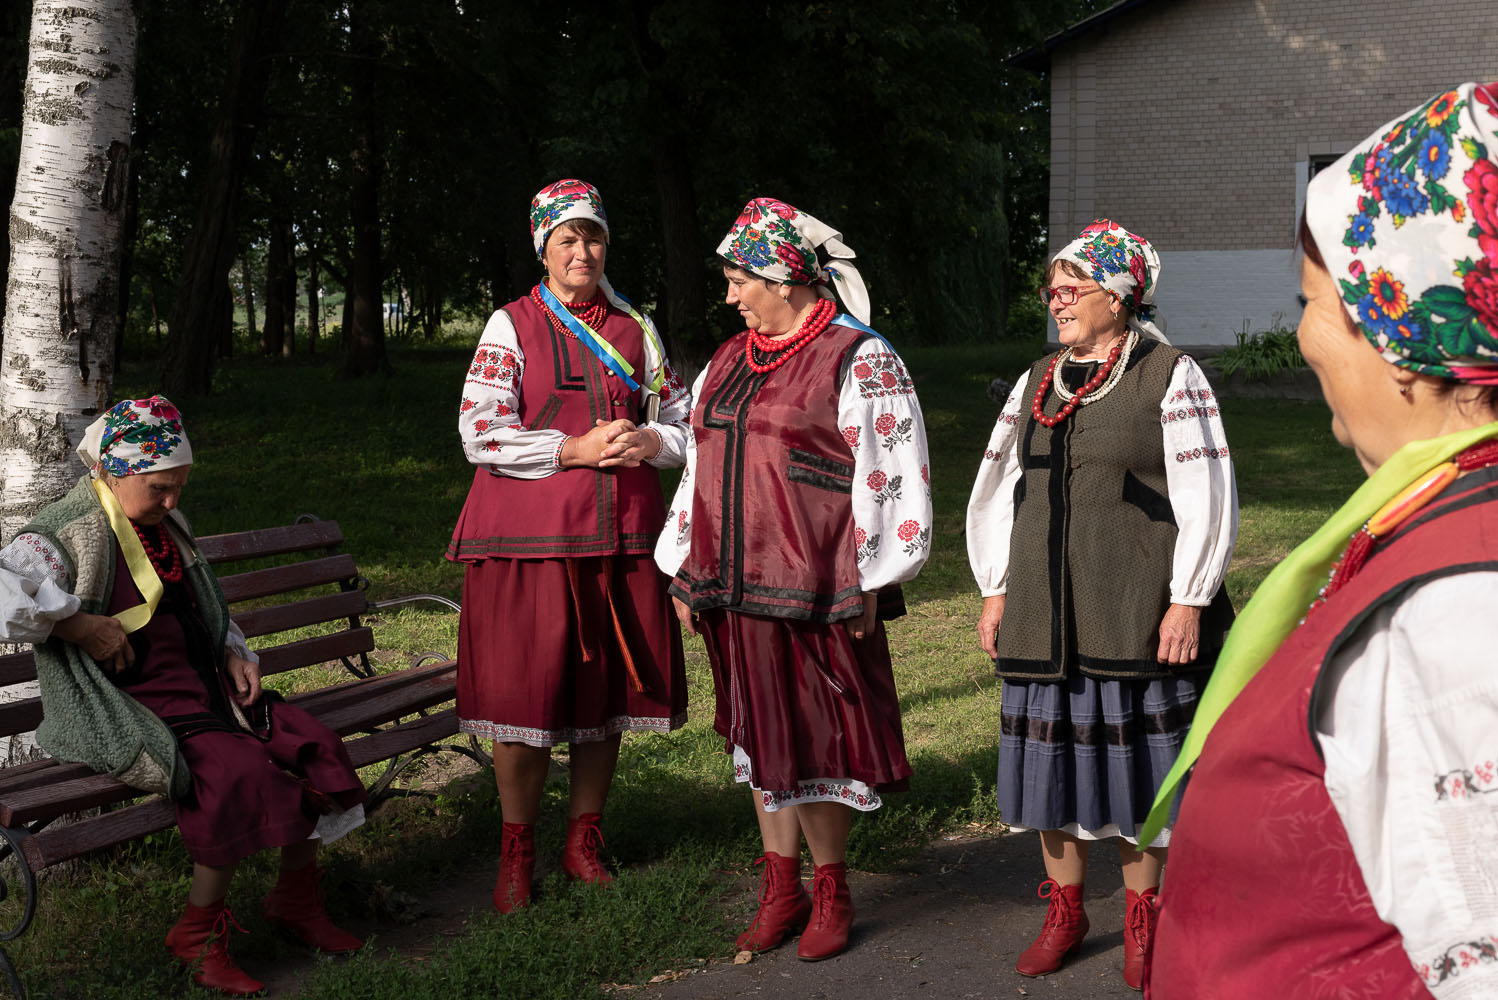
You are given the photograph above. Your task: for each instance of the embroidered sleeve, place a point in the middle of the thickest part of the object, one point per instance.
(990, 509)
(1203, 490)
(672, 423)
(675, 540)
(881, 422)
(489, 415)
(1410, 739)
(33, 590)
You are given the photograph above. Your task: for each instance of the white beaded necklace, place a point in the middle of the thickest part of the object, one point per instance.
(1113, 377)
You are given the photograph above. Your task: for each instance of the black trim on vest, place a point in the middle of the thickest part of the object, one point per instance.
(1138, 493)
(823, 473)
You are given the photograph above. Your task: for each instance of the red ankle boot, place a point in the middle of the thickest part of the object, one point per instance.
(831, 917)
(1065, 927)
(783, 904)
(580, 856)
(1139, 931)
(296, 905)
(517, 860)
(199, 941)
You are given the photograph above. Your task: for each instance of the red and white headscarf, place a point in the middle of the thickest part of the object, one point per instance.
(1126, 265)
(136, 435)
(560, 202)
(780, 242)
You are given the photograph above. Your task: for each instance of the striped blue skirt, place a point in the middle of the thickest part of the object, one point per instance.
(1087, 756)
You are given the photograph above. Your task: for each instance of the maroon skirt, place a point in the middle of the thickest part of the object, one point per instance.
(568, 650)
(805, 701)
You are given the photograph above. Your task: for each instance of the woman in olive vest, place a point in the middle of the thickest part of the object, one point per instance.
(806, 503)
(1099, 530)
(567, 634)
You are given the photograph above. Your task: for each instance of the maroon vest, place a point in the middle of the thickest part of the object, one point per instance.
(575, 512)
(1263, 896)
(772, 509)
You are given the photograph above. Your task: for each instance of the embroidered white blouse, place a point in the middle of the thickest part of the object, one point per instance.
(1410, 740)
(1198, 475)
(33, 598)
(489, 416)
(886, 436)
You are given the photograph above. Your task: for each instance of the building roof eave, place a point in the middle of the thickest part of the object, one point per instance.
(1037, 59)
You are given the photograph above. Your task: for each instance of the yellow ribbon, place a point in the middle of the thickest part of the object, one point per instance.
(139, 564)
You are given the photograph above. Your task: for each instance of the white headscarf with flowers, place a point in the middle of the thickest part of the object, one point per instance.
(560, 202)
(136, 435)
(1126, 265)
(780, 242)
(1407, 223)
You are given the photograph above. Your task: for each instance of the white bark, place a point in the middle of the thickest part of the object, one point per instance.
(57, 355)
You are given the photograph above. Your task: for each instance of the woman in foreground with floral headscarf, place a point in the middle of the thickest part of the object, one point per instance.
(144, 676)
(1337, 834)
(1100, 529)
(805, 503)
(567, 634)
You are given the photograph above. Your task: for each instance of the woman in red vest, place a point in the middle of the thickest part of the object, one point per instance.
(806, 502)
(567, 634)
(1337, 835)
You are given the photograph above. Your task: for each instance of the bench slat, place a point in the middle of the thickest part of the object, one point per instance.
(233, 546)
(16, 668)
(318, 649)
(20, 716)
(310, 611)
(281, 579)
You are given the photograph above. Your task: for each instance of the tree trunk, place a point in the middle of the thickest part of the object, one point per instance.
(127, 260)
(194, 329)
(685, 319)
(366, 345)
(274, 332)
(314, 303)
(247, 280)
(289, 296)
(62, 297)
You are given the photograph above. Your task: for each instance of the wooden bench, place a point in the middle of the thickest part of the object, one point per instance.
(391, 716)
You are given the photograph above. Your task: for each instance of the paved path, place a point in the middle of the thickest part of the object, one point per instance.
(951, 929)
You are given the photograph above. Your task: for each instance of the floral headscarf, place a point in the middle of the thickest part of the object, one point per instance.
(136, 435)
(1408, 226)
(779, 242)
(557, 203)
(1125, 264)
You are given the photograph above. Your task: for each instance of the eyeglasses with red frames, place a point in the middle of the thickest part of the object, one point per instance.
(1067, 295)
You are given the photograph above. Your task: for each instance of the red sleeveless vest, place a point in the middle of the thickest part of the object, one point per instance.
(575, 512)
(1263, 896)
(772, 509)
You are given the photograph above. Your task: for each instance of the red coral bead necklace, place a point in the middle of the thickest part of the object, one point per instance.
(592, 312)
(785, 348)
(1101, 383)
(162, 551)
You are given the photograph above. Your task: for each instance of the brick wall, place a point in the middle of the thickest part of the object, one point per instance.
(1192, 121)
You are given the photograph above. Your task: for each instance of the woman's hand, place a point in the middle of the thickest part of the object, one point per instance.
(1180, 634)
(629, 445)
(245, 676)
(988, 625)
(684, 615)
(864, 624)
(590, 450)
(102, 637)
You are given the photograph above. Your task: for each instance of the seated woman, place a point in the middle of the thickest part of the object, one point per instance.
(143, 675)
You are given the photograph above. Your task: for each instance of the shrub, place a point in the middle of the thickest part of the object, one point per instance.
(1263, 355)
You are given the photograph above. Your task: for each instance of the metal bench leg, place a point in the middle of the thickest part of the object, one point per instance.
(13, 838)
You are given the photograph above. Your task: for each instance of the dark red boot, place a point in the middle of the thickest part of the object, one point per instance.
(517, 861)
(783, 904)
(296, 905)
(831, 915)
(1139, 931)
(1064, 928)
(580, 856)
(199, 941)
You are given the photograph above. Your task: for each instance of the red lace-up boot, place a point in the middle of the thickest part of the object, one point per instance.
(831, 915)
(199, 940)
(517, 861)
(1064, 928)
(580, 856)
(783, 904)
(1139, 930)
(296, 905)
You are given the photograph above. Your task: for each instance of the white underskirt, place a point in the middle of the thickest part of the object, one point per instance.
(844, 791)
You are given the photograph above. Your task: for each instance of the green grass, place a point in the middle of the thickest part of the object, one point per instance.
(381, 455)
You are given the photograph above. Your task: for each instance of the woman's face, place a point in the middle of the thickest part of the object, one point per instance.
(1089, 323)
(1369, 415)
(574, 263)
(147, 497)
(758, 301)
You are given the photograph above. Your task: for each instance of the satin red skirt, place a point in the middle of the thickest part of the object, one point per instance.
(568, 650)
(805, 701)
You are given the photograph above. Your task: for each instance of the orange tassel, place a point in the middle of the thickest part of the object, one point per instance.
(1414, 496)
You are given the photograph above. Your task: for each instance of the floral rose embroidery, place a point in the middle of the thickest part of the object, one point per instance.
(850, 435)
(908, 530)
(862, 370)
(885, 423)
(877, 480)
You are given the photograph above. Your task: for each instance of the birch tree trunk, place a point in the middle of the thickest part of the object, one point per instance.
(62, 298)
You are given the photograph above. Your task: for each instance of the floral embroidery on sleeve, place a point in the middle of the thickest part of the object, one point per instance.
(866, 544)
(850, 435)
(883, 487)
(683, 527)
(915, 537)
(496, 367)
(882, 374)
(893, 431)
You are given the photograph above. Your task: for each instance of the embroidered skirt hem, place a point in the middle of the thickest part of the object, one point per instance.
(843, 791)
(556, 737)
